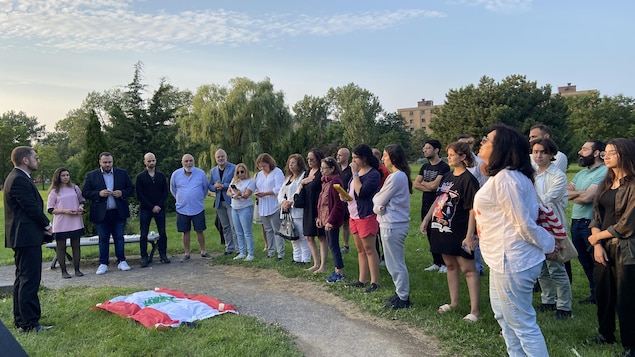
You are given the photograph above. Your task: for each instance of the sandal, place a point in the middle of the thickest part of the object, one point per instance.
(470, 318)
(444, 308)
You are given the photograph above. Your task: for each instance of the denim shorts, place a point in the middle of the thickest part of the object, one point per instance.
(184, 223)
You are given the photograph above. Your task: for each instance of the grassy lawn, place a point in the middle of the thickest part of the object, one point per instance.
(428, 291)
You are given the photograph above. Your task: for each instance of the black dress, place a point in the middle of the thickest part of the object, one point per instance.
(452, 205)
(312, 193)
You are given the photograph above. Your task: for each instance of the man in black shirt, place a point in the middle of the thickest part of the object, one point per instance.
(427, 181)
(152, 191)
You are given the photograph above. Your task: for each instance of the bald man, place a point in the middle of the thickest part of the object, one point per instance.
(188, 185)
(152, 191)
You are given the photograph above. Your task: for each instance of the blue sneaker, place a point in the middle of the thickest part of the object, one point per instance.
(335, 277)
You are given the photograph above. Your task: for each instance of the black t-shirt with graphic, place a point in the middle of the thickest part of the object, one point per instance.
(429, 173)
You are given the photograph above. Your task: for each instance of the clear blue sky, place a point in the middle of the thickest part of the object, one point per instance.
(53, 53)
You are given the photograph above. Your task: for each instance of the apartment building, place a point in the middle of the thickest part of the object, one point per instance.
(419, 117)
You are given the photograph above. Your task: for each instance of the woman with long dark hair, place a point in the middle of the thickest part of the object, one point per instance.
(392, 206)
(311, 185)
(512, 244)
(613, 241)
(66, 204)
(363, 221)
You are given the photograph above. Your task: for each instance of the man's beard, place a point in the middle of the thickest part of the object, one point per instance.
(187, 169)
(586, 161)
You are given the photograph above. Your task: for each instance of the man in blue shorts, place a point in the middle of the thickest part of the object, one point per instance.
(188, 185)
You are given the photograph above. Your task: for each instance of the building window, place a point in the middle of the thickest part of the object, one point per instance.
(423, 111)
(423, 120)
(412, 113)
(411, 121)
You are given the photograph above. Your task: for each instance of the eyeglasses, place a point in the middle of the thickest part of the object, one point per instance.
(484, 140)
(240, 172)
(325, 167)
(310, 159)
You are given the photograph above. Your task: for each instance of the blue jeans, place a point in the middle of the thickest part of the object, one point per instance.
(242, 224)
(145, 218)
(580, 233)
(511, 297)
(111, 225)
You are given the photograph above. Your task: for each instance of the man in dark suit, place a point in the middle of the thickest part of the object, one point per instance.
(220, 177)
(25, 225)
(108, 189)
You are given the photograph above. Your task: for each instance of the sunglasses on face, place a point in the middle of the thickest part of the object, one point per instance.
(241, 172)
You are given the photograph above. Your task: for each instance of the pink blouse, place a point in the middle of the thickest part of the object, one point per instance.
(67, 198)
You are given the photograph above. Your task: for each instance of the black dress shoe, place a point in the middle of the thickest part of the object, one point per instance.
(599, 340)
(164, 259)
(144, 262)
(589, 300)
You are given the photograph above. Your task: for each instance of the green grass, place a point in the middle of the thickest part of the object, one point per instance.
(428, 291)
(76, 332)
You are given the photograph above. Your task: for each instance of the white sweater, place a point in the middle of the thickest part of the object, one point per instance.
(392, 202)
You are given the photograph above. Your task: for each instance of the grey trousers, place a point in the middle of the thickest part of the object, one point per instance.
(393, 241)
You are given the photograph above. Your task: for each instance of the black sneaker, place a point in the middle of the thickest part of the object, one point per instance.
(401, 304)
(144, 262)
(563, 315)
(599, 340)
(164, 259)
(371, 288)
(357, 284)
(547, 307)
(392, 299)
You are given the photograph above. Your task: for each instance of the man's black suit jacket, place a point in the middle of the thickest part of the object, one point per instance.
(94, 183)
(24, 218)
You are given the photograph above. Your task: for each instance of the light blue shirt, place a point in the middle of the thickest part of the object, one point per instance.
(190, 192)
(109, 179)
(582, 181)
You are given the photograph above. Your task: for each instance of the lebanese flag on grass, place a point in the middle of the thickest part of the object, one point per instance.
(163, 308)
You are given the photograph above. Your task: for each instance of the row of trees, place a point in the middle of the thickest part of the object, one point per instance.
(247, 118)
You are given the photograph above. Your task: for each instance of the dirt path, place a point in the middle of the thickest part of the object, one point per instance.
(322, 324)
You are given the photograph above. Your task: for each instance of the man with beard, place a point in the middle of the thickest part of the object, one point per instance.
(152, 191)
(427, 181)
(189, 186)
(582, 191)
(24, 228)
(108, 189)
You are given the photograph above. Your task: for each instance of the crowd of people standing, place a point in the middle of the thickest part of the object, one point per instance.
(476, 210)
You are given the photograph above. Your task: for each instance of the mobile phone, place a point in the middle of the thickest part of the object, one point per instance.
(234, 187)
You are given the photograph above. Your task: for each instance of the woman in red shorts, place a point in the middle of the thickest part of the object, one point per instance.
(363, 221)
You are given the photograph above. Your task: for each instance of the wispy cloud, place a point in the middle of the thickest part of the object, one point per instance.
(498, 5)
(100, 25)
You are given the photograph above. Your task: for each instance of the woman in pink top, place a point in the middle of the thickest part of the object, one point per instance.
(66, 203)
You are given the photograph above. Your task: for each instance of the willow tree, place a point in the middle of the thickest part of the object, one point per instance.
(357, 109)
(245, 118)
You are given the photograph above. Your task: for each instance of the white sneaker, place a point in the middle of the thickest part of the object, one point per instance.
(102, 269)
(249, 258)
(432, 267)
(123, 266)
(443, 269)
(240, 256)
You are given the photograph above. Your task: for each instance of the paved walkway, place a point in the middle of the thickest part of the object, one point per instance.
(322, 324)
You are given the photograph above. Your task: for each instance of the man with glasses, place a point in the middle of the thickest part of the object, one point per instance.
(582, 191)
(220, 177)
(427, 182)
